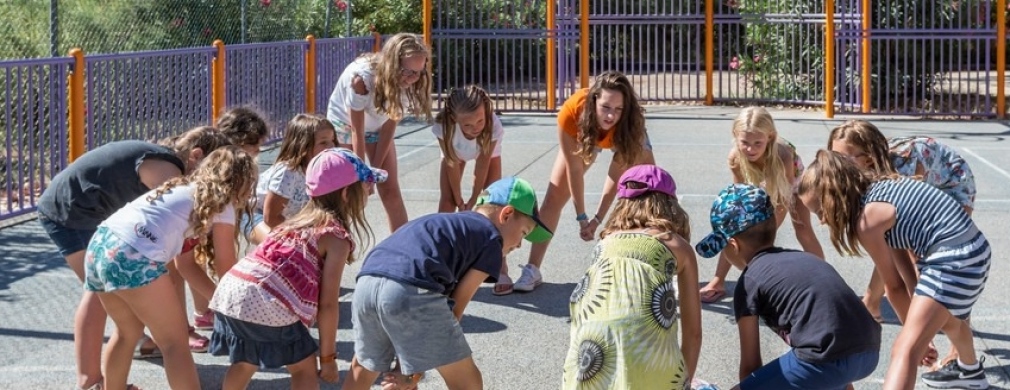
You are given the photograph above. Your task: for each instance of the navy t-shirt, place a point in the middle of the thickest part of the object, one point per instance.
(804, 300)
(435, 251)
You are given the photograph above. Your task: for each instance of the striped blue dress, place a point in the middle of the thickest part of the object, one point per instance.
(953, 256)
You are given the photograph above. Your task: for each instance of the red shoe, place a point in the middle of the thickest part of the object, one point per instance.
(204, 321)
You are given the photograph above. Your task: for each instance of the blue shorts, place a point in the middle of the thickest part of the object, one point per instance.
(345, 131)
(68, 241)
(789, 372)
(111, 264)
(249, 222)
(261, 345)
(392, 319)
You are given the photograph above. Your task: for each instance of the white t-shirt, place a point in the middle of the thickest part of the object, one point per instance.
(468, 149)
(157, 229)
(286, 182)
(344, 99)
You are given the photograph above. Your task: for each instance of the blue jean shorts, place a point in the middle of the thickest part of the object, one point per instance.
(392, 319)
(68, 241)
(249, 222)
(261, 345)
(789, 372)
(111, 264)
(345, 131)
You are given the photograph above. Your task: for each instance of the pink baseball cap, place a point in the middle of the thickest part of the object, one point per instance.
(336, 168)
(641, 179)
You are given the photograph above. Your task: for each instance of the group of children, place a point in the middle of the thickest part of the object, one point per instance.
(127, 214)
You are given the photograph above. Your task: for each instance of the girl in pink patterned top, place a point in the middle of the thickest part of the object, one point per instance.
(264, 305)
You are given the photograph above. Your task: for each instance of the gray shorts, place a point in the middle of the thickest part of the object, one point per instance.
(392, 319)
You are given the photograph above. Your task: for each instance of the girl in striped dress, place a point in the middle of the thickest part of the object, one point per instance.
(889, 215)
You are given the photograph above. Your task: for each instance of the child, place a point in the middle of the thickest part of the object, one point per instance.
(604, 116)
(895, 214)
(625, 308)
(760, 157)
(371, 97)
(834, 341)
(280, 192)
(467, 129)
(87, 192)
(265, 304)
(245, 128)
(922, 157)
(126, 260)
(413, 287)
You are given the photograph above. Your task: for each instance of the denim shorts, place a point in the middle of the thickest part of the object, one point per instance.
(67, 240)
(261, 345)
(111, 264)
(392, 319)
(249, 222)
(345, 131)
(789, 372)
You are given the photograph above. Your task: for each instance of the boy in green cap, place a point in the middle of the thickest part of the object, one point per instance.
(413, 287)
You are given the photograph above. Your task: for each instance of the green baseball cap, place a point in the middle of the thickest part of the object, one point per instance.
(516, 192)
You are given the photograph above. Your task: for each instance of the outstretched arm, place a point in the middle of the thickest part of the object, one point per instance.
(336, 251)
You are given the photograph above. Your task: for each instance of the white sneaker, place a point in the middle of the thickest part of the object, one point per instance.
(529, 279)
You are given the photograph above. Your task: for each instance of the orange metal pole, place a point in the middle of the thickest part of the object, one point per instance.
(310, 75)
(552, 61)
(866, 71)
(426, 22)
(829, 58)
(377, 46)
(1001, 59)
(217, 82)
(76, 106)
(709, 51)
(584, 43)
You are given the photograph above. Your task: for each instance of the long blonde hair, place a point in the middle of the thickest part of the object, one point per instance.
(773, 172)
(866, 136)
(629, 131)
(651, 210)
(346, 206)
(226, 177)
(205, 138)
(465, 100)
(386, 65)
(839, 186)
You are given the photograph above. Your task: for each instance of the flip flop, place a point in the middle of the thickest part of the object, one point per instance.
(144, 352)
(503, 280)
(713, 297)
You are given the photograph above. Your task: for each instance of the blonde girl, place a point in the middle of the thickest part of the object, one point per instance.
(126, 260)
(245, 128)
(467, 129)
(760, 157)
(889, 215)
(604, 116)
(643, 258)
(372, 95)
(265, 304)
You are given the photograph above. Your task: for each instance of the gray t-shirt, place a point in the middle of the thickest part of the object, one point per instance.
(100, 182)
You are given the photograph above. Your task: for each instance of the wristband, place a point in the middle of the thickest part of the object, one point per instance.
(597, 219)
(328, 358)
(582, 217)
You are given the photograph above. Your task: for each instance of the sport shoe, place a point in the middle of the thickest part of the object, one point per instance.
(204, 321)
(952, 376)
(529, 279)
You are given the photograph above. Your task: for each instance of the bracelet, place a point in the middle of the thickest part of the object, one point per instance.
(582, 217)
(328, 358)
(597, 219)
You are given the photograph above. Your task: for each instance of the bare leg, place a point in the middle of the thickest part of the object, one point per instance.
(359, 377)
(716, 288)
(925, 317)
(238, 376)
(446, 202)
(389, 192)
(118, 354)
(303, 374)
(550, 212)
(89, 329)
(462, 375)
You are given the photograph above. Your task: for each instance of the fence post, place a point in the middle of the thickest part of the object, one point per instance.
(709, 50)
(377, 46)
(552, 61)
(1001, 59)
(426, 22)
(584, 43)
(217, 100)
(75, 105)
(866, 79)
(310, 75)
(829, 58)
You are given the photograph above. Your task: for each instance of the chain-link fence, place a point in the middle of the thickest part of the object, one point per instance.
(44, 28)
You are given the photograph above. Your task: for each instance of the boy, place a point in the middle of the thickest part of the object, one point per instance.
(834, 339)
(413, 287)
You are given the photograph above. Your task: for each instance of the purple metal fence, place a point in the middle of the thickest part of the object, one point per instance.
(33, 107)
(270, 78)
(332, 56)
(147, 95)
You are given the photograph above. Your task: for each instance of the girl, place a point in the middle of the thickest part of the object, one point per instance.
(266, 303)
(643, 258)
(761, 158)
(280, 192)
(371, 97)
(467, 129)
(886, 216)
(605, 116)
(245, 128)
(126, 260)
(936, 164)
(87, 192)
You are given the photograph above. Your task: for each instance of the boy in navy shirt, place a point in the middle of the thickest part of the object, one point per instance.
(413, 287)
(834, 339)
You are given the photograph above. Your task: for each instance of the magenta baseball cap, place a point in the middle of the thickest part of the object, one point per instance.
(336, 168)
(641, 179)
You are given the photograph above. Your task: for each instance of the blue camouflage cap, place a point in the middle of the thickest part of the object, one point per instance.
(736, 209)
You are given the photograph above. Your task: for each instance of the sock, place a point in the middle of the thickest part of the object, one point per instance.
(968, 367)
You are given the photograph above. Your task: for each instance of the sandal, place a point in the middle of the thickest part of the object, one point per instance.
(197, 342)
(146, 349)
(712, 296)
(504, 286)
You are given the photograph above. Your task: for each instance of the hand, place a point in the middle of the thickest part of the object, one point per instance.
(328, 372)
(931, 356)
(588, 230)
